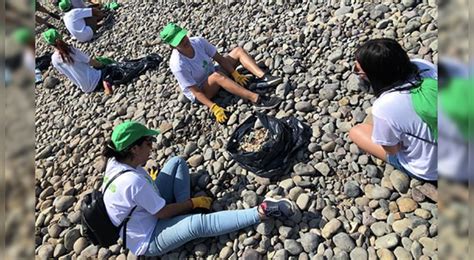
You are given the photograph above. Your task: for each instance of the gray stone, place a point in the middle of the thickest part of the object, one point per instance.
(376, 192)
(70, 238)
(50, 82)
(344, 242)
(359, 253)
(402, 254)
(304, 106)
(323, 168)
(335, 55)
(330, 228)
(379, 228)
(281, 254)
(400, 181)
(303, 201)
(304, 169)
(249, 46)
(409, 3)
(343, 10)
(293, 247)
(352, 189)
(265, 228)
(45, 252)
(388, 241)
(250, 197)
(62, 203)
(195, 160)
(310, 242)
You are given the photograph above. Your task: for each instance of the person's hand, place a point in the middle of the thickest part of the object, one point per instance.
(239, 78)
(153, 172)
(219, 113)
(201, 202)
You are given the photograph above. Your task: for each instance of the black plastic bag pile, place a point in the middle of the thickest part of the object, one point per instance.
(125, 71)
(286, 137)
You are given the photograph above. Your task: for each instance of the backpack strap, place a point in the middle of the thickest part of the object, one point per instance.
(124, 222)
(113, 178)
(423, 139)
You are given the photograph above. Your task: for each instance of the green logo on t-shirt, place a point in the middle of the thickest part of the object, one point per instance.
(206, 67)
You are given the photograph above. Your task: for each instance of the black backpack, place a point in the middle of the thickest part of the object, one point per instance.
(96, 224)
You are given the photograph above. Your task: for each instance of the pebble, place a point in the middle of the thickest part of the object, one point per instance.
(331, 228)
(359, 253)
(406, 205)
(376, 192)
(400, 181)
(293, 247)
(344, 242)
(352, 189)
(309, 242)
(388, 241)
(323, 168)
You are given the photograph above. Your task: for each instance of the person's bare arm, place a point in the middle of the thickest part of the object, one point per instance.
(175, 209)
(200, 96)
(224, 63)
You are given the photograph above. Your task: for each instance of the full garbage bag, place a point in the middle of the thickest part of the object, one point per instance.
(286, 137)
(123, 72)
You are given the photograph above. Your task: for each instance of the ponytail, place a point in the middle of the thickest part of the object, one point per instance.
(64, 50)
(110, 152)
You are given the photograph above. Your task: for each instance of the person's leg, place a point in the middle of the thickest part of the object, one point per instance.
(361, 136)
(217, 79)
(92, 23)
(172, 233)
(173, 181)
(239, 55)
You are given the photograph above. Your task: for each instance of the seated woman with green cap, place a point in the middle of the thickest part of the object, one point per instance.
(192, 64)
(404, 128)
(76, 65)
(163, 218)
(82, 23)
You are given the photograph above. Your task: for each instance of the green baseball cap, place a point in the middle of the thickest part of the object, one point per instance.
(128, 132)
(173, 34)
(51, 35)
(65, 5)
(23, 35)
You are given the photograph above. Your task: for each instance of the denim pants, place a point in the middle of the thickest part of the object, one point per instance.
(174, 185)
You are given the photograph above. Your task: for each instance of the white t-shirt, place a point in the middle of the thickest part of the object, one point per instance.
(193, 72)
(133, 188)
(394, 116)
(80, 72)
(78, 4)
(76, 25)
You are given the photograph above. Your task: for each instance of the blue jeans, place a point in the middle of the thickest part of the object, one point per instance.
(174, 185)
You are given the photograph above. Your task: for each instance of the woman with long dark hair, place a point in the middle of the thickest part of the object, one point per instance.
(163, 219)
(404, 127)
(82, 70)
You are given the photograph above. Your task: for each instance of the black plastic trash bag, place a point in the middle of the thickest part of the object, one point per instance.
(286, 137)
(42, 62)
(124, 72)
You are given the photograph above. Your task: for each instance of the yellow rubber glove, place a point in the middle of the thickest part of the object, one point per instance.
(239, 78)
(201, 202)
(153, 172)
(219, 113)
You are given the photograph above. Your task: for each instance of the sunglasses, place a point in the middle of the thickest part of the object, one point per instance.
(150, 139)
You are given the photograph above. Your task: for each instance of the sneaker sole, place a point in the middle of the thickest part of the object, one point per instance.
(293, 205)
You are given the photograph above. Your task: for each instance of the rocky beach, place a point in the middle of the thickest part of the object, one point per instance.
(350, 205)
